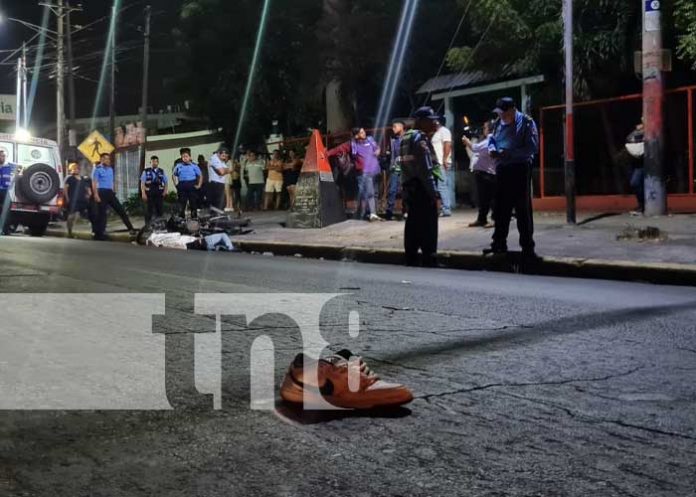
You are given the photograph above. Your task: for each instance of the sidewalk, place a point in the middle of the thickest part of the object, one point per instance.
(600, 246)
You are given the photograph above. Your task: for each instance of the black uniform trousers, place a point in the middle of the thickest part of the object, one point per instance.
(155, 205)
(188, 195)
(108, 199)
(421, 226)
(216, 195)
(4, 213)
(485, 193)
(514, 191)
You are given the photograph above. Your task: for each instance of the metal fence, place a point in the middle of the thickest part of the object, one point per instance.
(601, 128)
(127, 172)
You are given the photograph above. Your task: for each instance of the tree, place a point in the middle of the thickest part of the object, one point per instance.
(526, 36)
(685, 22)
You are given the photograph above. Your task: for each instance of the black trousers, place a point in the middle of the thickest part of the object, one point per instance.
(108, 199)
(4, 213)
(421, 230)
(188, 195)
(216, 195)
(155, 205)
(485, 193)
(514, 191)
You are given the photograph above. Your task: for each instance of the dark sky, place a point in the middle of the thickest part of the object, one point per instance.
(88, 47)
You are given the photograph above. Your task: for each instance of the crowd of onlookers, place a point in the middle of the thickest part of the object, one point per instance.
(269, 180)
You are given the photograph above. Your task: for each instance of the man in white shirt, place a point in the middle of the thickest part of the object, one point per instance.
(217, 172)
(442, 143)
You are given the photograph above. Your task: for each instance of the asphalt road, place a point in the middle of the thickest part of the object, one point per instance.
(525, 386)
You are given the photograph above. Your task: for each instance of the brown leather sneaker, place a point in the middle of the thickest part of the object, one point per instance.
(313, 383)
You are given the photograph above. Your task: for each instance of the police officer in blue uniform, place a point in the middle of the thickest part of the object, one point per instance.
(419, 175)
(6, 172)
(188, 179)
(105, 197)
(153, 188)
(513, 145)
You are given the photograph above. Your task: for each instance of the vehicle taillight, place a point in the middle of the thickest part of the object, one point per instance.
(60, 201)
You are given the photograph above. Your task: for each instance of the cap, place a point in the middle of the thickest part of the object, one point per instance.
(426, 113)
(504, 104)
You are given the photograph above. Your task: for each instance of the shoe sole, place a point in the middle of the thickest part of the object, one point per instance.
(294, 394)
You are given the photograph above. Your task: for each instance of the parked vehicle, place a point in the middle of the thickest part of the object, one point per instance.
(36, 193)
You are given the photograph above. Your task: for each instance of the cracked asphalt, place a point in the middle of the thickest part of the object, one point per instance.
(525, 386)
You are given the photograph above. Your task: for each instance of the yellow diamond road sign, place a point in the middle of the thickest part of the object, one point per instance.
(95, 145)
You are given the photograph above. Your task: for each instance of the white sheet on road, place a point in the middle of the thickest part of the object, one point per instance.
(171, 240)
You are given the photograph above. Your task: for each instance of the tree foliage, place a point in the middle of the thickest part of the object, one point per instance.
(526, 36)
(685, 21)
(308, 43)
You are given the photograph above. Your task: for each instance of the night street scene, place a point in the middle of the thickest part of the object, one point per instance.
(387, 248)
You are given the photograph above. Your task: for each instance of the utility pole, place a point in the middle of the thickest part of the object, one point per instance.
(25, 109)
(60, 80)
(569, 117)
(18, 106)
(112, 99)
(72, 136)
(146, 77)
(653, 109)
(60, 10)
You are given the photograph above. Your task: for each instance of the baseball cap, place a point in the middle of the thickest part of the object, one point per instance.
(504, 104)
(426, 113)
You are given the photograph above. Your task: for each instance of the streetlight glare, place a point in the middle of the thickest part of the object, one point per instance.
(22, 134)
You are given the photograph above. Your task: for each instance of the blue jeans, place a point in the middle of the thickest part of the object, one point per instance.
(443, 187)
(366, 195)
(638, 186)
(254, 196)
(394, 184)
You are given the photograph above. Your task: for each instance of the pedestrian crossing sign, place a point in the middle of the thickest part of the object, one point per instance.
(95, 145)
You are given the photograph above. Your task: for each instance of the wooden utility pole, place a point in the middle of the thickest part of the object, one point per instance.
(653, 109)
(146, 77)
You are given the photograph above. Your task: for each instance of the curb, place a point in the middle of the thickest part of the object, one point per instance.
(565, 267)
(659, 273)
(83, 235)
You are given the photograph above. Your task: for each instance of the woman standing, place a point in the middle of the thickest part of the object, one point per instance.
(483, 167)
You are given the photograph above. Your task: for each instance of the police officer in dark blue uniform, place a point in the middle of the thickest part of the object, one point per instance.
(419, 175)
(153, 188)
(513, 145)
(6, 172)
(188, 179)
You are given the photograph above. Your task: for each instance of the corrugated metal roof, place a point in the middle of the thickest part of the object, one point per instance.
(449, 82)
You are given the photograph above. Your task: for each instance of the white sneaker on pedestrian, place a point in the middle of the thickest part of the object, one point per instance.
(375, 217)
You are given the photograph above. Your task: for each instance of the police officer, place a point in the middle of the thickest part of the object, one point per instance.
(153, 188)
(6, 172)
(188, 180)
(513, 145)
(419, 176)
(105, 197)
